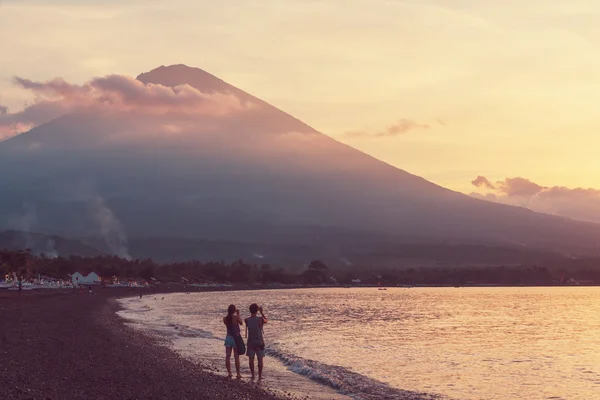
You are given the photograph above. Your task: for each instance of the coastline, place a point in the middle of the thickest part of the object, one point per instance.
(201, 343)
(178, 321)
(65, 344)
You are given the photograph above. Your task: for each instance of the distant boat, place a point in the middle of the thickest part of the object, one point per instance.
(24, 286)
(118, 284)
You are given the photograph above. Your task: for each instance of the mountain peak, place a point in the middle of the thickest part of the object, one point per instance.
(175, 68)
(180, 74)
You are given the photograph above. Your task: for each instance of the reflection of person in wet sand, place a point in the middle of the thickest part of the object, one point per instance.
(254, 333)
(232, 322)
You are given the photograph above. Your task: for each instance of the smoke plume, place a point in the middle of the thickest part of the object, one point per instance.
(110, 227)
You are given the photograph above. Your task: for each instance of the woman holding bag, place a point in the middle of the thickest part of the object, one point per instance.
(233, 340)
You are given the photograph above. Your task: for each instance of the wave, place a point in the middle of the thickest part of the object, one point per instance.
(350, 383)
(343, 380)
(189, 332)
(162, 327)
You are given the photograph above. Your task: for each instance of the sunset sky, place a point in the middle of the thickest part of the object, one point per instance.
(448, 90)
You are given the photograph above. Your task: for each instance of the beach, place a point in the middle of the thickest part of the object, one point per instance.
(71, 345)
(450, 343)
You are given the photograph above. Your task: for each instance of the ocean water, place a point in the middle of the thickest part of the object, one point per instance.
(418, 343)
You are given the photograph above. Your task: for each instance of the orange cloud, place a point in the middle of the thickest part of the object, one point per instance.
(482, 181)
(518, 187)
(401, 127)
(578, 203)
(114, 93)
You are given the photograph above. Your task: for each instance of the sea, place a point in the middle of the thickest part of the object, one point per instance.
(400, 343)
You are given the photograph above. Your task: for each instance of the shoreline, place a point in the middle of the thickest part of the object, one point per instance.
(65, 344)
(307, 379)
(283, 379)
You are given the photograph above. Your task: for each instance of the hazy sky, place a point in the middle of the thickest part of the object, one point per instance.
(448, 90)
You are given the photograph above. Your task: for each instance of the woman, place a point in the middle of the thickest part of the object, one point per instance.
(256, 343)
(232, 322)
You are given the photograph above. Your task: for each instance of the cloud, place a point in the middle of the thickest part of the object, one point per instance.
(113, 93)
(577, 203)
(11, 124)
(400, 128)
(482, 181)
(520, 187)
(511, 187)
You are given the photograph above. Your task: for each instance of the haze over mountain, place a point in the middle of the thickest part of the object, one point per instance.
(49, 245)
(178, 153)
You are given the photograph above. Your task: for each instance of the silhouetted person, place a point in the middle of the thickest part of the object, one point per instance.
(254, 333)
(232, 321)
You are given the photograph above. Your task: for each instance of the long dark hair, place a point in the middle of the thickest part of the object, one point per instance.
(230, 312)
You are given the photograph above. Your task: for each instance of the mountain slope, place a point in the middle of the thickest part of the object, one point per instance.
(248, 175)
(50, 245)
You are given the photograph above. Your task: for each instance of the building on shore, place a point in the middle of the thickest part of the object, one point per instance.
(90, 279)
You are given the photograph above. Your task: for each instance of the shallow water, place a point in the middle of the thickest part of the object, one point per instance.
(462, 343)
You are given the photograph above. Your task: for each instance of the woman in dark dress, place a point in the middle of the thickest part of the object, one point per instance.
(232, 321)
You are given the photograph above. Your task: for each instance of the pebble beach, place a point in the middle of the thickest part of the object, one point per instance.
(71, 345)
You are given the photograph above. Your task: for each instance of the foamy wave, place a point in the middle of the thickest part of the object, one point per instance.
(134, 312)
(189, 332)
(345, 381)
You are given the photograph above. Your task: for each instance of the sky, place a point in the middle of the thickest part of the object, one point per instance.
(447, 90)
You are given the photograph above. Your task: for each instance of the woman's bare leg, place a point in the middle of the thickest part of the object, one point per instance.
(236, 356)
(260, 367)
(228, 360)
(251, 363)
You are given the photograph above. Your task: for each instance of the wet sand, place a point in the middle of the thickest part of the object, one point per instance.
(71, 345)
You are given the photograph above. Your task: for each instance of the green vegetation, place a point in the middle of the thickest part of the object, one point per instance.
(26, 264)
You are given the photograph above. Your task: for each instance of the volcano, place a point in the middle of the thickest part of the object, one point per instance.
(232, 168)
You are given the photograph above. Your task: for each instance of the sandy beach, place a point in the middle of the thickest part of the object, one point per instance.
(71, 345)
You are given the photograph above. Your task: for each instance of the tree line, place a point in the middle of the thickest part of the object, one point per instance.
(28, 265)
